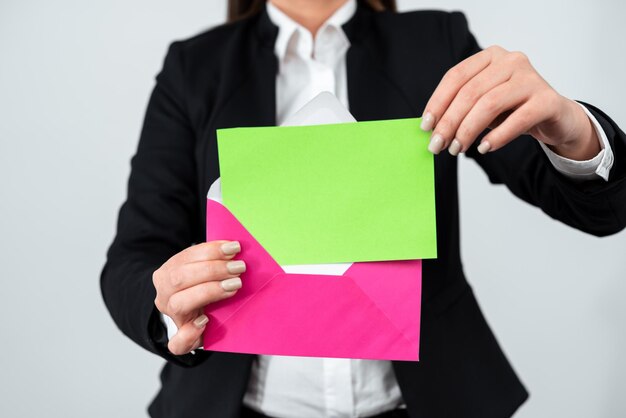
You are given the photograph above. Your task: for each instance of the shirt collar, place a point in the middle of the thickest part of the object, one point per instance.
(287, 27)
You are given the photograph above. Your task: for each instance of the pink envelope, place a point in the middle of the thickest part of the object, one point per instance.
(372, 311)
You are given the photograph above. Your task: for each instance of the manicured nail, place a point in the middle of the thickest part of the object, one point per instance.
(231, 284)
(236, 267)
(455, 147)
(427, 121)
(201, 321)
(436, 144)
(484, 147)
(230, 248)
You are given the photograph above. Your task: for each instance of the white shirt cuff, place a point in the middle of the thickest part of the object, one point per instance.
(598, 166)
(169, 323)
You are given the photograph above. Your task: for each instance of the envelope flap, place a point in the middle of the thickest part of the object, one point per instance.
(222, 225)
(389, 284)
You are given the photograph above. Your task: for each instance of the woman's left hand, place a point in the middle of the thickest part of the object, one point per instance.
(501, 90)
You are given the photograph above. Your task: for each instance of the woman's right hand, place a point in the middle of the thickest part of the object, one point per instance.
(190, 280)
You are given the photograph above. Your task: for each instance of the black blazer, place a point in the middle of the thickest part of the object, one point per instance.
(226, 77)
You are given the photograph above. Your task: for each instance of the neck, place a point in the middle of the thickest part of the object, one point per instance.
(311, 14)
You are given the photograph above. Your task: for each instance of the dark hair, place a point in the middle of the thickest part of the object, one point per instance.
(238, 9)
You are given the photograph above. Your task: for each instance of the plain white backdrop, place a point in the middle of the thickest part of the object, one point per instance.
(75, 77)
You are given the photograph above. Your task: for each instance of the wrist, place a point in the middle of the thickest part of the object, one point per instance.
(584, 143)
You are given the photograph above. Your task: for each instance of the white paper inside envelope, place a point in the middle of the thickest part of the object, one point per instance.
(324, 108)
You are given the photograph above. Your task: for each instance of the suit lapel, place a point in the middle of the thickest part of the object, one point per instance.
(249, 97)
(372, 93)
(253, 98)
(253, 103)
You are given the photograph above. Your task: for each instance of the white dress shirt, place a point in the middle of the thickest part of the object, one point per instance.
(308, 387)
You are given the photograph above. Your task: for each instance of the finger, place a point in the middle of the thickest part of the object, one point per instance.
(212, 250)
(518, 123)
(464, 101)
(188, 275)
(186, 301)
(188, 336)
(179, 320)
(451, 83)
(486, 111)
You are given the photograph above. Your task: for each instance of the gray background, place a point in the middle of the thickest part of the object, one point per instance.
(74, 81)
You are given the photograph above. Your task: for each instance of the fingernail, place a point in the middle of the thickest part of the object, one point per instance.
(455, 147)
(484, 147)
(427, 121)
(236, 267)
(230, 248)
(201, 321)
(231, 284)
(436, 144)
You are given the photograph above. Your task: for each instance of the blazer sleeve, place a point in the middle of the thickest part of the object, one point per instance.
(159, 217)
(597, 207)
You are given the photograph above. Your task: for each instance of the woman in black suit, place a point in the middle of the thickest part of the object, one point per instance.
(490, 104)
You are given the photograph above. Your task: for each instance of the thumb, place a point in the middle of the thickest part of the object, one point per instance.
(188, 337)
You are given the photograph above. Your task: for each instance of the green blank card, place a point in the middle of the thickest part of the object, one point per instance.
(333, 193)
